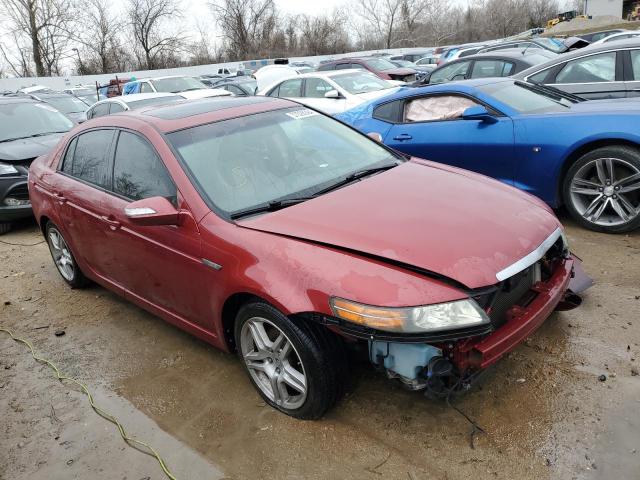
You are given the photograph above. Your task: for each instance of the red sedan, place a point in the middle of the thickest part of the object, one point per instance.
(267, 228)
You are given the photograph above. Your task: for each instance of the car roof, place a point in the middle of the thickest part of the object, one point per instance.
(190, 113)
(613, 46)
(514, 53)
(333, 73)
(17, 99)
(44, 95)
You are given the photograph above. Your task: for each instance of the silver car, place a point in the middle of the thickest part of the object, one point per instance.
(610, 70)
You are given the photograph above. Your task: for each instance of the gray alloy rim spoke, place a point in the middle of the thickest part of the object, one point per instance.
(619, 210)
(629, 184)
(606, 191)
(585, 187)
(273, 363)
(61, 254)
(294, 379)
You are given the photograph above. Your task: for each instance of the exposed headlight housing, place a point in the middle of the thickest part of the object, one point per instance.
(6, 169)
(427, 318)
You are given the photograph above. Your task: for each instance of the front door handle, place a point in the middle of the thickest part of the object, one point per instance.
(60, 197)
(403, 137)
(112, 222)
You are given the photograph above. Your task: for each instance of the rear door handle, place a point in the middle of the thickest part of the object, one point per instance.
(402, 137)
(112, 222)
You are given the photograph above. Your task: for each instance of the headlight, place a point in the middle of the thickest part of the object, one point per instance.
(428, 318)
(6, 169)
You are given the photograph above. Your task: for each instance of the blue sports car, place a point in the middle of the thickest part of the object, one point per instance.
(566, 150)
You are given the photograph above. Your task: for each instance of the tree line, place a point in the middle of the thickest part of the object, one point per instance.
(42, 37)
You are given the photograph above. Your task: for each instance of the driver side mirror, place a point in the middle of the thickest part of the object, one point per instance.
(478, 112)
(332, 94)
(152, 211)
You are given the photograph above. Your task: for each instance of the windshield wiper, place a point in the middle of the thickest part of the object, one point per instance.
(352, 177)
(290, 201)
(553, 91)
(269, 207)
(30, 136)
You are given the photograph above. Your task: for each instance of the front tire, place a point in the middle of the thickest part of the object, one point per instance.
(602, 189)
(63, 258)
(293, 365)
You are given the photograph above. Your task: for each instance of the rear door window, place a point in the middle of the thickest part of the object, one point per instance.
(291, 88)
(491, 68)
(100, 110)
(591, 69)
(138, 172)
(635, 64)
(90, 161)
(454, 71)
(145, 88)
(116, 107)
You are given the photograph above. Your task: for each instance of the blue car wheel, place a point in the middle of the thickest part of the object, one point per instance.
(602, 189)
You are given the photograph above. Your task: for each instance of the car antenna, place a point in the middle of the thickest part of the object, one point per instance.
(526, 48)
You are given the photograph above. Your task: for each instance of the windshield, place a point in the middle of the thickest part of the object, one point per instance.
(67, 104)
(21, 120)
(249, 161)
(526, 99)
(553, 44)
(356, 83)
(153, 101)
(177, 84)
(380, 64)
(89, 99)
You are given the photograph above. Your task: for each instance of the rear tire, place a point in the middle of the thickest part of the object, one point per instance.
(602, 189)
(294, 364)
(63, 258)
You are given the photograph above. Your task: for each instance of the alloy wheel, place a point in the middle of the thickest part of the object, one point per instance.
(606, 192)
(273, 363)
(61, 254)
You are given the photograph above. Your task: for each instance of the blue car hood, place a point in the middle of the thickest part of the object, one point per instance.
(617, 105)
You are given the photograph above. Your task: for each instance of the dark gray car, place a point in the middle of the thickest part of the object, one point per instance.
(482, 65)
(66, 103)
(610, 70)
(28, 129)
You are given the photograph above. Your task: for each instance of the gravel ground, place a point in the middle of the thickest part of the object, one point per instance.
(545, 412)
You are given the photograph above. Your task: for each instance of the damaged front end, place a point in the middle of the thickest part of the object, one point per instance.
(443, 361)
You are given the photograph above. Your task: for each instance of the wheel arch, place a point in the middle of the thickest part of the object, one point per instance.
(42, 222)
(230, 309)
(583, 149)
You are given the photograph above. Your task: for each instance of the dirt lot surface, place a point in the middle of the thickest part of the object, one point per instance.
(545, 412)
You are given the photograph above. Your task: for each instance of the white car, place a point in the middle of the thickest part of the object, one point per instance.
(618, 36)
(130, 102)
(269, 74)
(188, 87)
(332, 91)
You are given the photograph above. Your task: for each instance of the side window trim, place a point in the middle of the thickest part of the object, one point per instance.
(403, 101)
(155, 152)
(109, 158)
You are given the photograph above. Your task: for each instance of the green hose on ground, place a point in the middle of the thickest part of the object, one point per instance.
(132, 442)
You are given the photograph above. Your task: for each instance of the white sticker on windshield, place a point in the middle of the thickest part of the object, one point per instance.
(303, 113)
(46, 107)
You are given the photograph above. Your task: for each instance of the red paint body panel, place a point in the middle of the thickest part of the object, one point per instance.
(422, 216)
(481, 353)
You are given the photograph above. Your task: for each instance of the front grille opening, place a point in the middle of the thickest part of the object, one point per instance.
(19, 192)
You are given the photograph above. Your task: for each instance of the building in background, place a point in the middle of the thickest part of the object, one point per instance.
(596, 8)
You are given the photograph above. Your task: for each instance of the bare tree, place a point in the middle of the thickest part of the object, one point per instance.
(247, 25)
(323, 35)
(46, 23)
(150, 24)
(381, 18)
(540, 11)
(99, 33)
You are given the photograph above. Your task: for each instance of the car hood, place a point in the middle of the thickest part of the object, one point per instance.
(26, 148)
(449, 221)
